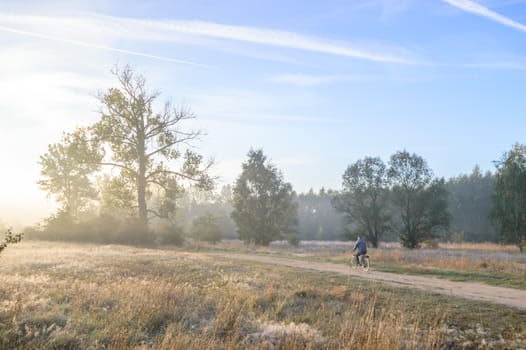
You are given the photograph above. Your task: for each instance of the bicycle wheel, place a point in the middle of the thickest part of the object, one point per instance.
(366, 263)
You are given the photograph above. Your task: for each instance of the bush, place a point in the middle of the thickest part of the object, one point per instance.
(102, 229)
(10, 238)
(168, 233)
(457, 237)
(293, 239)
(205, 228)
(431, 243)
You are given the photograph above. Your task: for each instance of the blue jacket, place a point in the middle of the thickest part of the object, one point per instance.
(360, 246)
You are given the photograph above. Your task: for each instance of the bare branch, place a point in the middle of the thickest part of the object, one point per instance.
(158, 183)
(155, 213)
(119, 166)
(171, 144)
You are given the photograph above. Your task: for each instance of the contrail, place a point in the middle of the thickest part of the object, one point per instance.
(164, 30)
(101, 47)
(473, 7)
(263, 36)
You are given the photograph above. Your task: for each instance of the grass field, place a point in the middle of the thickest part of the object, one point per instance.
(66, 296)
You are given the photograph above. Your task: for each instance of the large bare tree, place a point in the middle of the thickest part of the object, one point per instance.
(151, 149)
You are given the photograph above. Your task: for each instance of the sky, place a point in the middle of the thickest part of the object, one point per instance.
(317, 85)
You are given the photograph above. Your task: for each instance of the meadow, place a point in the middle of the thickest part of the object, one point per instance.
(72, 296)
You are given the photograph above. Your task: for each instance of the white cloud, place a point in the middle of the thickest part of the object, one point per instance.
(97, 46)
(281, 39)
(72, 29)
(477, 9)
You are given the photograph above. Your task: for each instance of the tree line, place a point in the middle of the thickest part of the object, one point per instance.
(133, 176)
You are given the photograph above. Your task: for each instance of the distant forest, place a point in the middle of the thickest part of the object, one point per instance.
(469, 204)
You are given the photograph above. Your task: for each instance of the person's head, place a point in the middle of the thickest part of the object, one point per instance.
(358, 238)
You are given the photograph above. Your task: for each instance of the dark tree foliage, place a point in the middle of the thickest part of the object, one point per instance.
(264, 206)
(363, 199)
(436, 218)
(470, 204)
(205, 228)
(10, 238)
(420, 201)
(509, 199)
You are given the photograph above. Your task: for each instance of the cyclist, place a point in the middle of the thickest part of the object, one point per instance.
(361, 249)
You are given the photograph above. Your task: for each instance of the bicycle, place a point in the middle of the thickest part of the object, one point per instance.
(364, 263)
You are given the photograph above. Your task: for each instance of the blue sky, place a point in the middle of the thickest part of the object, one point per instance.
(316, 84)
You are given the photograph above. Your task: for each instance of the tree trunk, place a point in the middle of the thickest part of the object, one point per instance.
(141, 198)
(374, 240)
(141, 179)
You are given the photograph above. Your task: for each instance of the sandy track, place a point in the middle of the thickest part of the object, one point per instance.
(469, 290)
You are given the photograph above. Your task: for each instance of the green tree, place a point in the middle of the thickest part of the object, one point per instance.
(147, 146)
(364, 199)
(66, 171)
(264, 207)
(205, 228)
(420, 201)
(509, 199)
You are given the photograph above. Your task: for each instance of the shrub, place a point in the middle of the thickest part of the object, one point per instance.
(205, 228)
(10, 238)
(431, 243)
(457, 237)
(293, 239)
(103, 229)
(168, 233)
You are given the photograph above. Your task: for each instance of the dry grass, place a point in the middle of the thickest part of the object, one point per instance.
(494, 266)
(487, 247)
(111, 297)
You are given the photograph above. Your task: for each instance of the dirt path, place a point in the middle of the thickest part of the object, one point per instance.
(470, 290)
